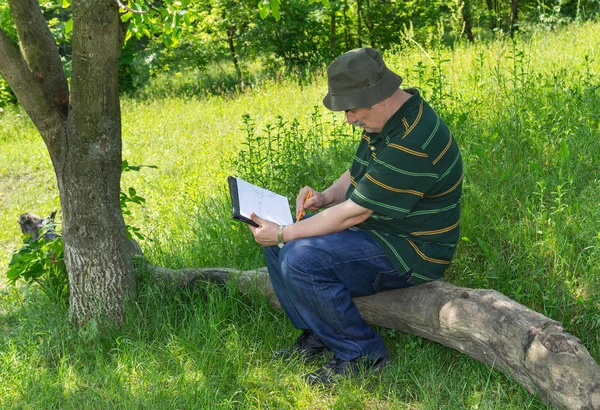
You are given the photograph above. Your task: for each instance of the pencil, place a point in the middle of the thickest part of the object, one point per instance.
(299, 215)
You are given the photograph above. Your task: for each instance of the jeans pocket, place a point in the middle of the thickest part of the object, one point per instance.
(388, 280)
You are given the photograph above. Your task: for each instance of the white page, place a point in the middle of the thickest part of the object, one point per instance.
(264, 203)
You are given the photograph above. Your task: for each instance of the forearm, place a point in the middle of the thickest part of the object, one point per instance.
(336, 193)
(334, 219)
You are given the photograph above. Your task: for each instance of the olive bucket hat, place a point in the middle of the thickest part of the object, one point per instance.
(359, 79)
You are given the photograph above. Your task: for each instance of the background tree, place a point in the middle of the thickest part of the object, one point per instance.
(81, 127)
(218, 33)
(225, 27)
(301, 38)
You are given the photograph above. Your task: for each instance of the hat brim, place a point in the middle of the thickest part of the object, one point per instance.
(366, 97)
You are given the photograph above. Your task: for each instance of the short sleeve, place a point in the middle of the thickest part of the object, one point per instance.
(398, 177)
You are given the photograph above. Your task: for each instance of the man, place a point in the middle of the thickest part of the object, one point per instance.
(391, 221)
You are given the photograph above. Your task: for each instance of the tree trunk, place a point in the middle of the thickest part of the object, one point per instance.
(83, 137)
(88, 170)
(514, 18)
(466, 20)
(368, 24)
(332, 31)
(492, 7)
(484, 324)
(358, 24)
(232, 52)
(347, 37)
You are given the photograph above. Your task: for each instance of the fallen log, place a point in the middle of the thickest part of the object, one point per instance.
(483, 324)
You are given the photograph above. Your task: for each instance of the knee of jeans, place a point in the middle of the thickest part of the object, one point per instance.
(295, 258)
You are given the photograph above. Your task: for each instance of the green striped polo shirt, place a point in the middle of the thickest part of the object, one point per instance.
(410, 174)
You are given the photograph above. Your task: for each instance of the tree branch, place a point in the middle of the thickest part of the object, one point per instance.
(28, 90)
(40, 52)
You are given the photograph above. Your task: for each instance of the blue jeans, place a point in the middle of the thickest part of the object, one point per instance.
(316, 278)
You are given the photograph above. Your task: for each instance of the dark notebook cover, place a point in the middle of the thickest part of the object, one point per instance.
(235, 203)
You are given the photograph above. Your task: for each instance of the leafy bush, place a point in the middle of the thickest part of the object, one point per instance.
(284, 156)
(131, 197)
(41, 261)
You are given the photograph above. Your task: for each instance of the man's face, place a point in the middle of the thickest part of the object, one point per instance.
(370, 119)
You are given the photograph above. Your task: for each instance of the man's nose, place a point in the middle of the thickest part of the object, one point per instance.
(351, 119)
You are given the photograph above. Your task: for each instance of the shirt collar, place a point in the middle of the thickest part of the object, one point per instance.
(395, 120)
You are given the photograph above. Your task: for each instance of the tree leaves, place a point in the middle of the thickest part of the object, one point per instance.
(273, 7)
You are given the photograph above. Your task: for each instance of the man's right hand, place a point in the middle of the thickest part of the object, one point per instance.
(313, 203)
(333, 195)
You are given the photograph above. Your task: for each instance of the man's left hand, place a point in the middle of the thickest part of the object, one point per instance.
(266, 232)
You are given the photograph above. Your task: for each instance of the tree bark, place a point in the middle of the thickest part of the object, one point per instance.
(483, 324)
(83, 137)
(233, 53)
(40, 52)
(466, 20)
(514, 18)
(333, 30)
(28, 90)
(89, 170)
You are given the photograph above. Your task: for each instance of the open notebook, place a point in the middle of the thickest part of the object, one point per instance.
(247, 198)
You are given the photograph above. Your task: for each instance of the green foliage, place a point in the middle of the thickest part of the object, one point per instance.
(131, 197)
(300, 41)
(526, 114)
(551, 13)
(305, 35)
(387, 22)
(151, 31)
(273, 7)
(162, 23)
(135, 65)
(41, 261)
(286, 156)
(6, 21)
(6, 95)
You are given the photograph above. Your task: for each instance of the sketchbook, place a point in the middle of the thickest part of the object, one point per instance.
(247, 198)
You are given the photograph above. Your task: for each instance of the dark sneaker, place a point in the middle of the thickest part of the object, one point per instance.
(308, 346)
(337, 369)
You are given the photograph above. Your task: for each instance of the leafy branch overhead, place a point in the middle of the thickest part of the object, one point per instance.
(274, 7)
(143, 18)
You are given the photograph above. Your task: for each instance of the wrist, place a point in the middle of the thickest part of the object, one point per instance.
(280, 241)
(326, 198)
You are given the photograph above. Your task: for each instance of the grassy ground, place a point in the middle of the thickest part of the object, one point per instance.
(526, 114)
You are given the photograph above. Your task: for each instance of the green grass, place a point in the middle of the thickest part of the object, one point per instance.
(526, 114)
(212, 349)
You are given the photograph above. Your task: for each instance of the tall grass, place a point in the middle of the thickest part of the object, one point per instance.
(526, 114)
